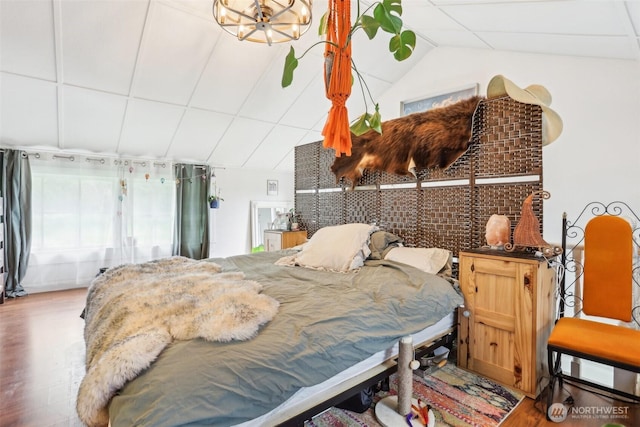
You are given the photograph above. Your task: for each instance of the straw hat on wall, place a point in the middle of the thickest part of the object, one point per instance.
(500, 86)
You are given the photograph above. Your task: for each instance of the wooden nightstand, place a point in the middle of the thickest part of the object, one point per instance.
(508, 316)
(274, 240)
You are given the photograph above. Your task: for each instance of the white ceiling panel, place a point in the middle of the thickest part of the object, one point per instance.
(197, 7)
(274, 147)
(419, 15)
(149, 128)
(92, 120)
(595, 46)
(261, 106)
(287, 164)
(356, 103)
(550, 17)
(198, 134)
(239, 142)
(28, 111)
(310, 107)
(312, 136)
(229, 77)
(455, 39)
(100, 42)
(26, 39)
(175, 50)
(374, 57)
(634, 16)
(160, 79)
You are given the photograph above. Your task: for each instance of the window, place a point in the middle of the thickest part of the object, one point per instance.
(88, 215)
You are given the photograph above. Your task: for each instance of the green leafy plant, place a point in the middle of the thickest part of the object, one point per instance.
(215, 195)
(386, 16)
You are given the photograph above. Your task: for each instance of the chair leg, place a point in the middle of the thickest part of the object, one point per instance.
(552, 380)
(550, 389)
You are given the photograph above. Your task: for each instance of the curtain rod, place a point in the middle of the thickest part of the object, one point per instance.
(117, 160)
(101, 160)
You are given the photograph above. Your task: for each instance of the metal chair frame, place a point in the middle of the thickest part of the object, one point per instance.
(569, 294)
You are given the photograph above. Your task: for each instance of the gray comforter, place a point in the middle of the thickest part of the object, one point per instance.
(326, 323)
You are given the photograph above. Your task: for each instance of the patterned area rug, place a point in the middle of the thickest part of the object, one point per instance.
(456, 397)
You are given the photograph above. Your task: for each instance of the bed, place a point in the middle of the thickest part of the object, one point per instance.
(334, 331)
(331, 328)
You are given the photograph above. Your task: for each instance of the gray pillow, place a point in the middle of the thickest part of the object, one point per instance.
(382, 242)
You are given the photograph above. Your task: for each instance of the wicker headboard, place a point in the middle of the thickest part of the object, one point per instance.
(442, 208)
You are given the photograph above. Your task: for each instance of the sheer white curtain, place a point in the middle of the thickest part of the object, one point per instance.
(92, 212)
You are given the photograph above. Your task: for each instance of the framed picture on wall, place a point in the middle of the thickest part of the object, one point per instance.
(272, 187)
(441, 99)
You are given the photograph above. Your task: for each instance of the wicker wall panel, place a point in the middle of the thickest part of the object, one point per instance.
(368, 178)
(307, 210)
(502, 199)
(326, 178)
(331, 208)
(460, 169)
(510, 139)
(307, 171)
(399, 213)
(506, 141)
(445, 220)
(363, 207)
(390, 178)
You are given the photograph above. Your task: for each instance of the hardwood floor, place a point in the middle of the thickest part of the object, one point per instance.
(41, 359)
(42, 364)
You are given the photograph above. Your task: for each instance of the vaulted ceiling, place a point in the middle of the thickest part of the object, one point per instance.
(159, 78)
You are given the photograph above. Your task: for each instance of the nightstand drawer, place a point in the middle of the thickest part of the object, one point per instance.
(275, 240)
(272, 241)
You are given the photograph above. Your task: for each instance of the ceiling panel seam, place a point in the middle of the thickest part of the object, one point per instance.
(56, 13)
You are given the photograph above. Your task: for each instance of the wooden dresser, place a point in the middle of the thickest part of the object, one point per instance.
(274, 240)
(507, 318)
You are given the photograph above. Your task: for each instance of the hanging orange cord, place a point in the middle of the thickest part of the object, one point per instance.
(337, 77)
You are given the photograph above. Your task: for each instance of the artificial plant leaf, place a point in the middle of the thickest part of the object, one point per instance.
(402, 45)
(322, 28)
(393, 6)
(290, 64)
(375, 121)
(370, 26)
(388, 22)
(361, 125)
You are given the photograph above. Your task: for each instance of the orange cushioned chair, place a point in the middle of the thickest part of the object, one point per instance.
(608, 274)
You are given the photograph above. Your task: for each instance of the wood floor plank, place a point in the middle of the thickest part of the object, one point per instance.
(42, 364)
(41, 359)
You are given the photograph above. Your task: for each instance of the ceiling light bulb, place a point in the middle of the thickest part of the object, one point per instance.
(295, 29)
(223, 15)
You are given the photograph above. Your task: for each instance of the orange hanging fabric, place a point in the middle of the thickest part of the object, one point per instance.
(337, 77)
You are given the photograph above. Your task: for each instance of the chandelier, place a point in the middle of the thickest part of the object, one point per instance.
(263, 21)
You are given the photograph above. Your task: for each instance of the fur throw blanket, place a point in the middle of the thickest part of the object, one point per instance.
(134, 311)
(432, 139)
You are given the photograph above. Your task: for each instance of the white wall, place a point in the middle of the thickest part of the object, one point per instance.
(231, 223)
(597, 156)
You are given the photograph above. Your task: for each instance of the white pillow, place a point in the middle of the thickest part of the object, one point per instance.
(337, 248)
(431, 260)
